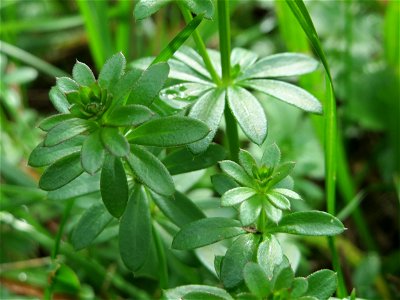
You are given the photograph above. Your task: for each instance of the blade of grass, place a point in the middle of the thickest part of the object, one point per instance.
(31, 60)
(123, 33)
(300, 12)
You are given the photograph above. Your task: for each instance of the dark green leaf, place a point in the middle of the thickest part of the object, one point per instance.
(236, 196)
(149, 84)
(283, 276)
(256, 280)
(92, 154)
(112, 71)
(223, 183)
(90, 225)
(135, 231)
(124, 86)
(271, 156)
(247, 161)
(61, 172)
(67, 85)
(114, 186)
(249, 114)
(150, 171)
(114, 141)
(201, 296)
(54, 120)
(237, 256)
(321, 284)
(206, 231)
(145, 8)
(67, 130)
(168, 131)
(59, 100)
(235, 171)
(309, 223)
(129, 115)
(181, 291)
(82, 74)
(269, 255)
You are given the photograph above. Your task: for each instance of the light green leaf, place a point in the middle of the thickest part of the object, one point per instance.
(205, 7)
(192, 59)
(201, 296)
(135, 231)
(112, 71)
(283, 276)
(269, 255)
(129, 115)
(235, 171)
(250, 210)
(279, 201)
(50, 122)
(67, 85)
(59, 100)
(249, 114)
(92, 154)
(114, 186)
(288, 93)
(150, 171)
(281, 65)
(287, 193)
(61, 172)
(82, 74)
(67, 130)
(149, 84)
(271, 156)
(90, 225)
(243, 57)
(168, 131)
(236, 196)
(299, 287)
(181, 291)
(223, 183)
(321, 284)
(180, 96)
(309, 223)
(181, 71)
(282, 171)
(206, 231)
(209, 108)
(114, 141)
(273, 213)
(238, 255)
(247, 161)
(256, 280)
(145, 8)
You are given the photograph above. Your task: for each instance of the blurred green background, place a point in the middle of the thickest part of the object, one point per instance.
(41, 39)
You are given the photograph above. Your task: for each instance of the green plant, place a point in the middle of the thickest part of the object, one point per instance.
(110, 140)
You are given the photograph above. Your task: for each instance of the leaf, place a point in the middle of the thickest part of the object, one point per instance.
(299, 287)
(271, 156)
(236, 196)
(247, 161)
(149, 84)
(129, 115)
(237, 256)
(43, 156)
(183, 161)
(145, 8)
(313, 223)
(61, 172)
(67, 130)
(281, 65)
(279, 201)
(135, 231)
(49, 122)
(65, 279)
(112, 71)
(114, 141)
(287, 193)
(321, 284)
(273, 213)
(59, 100)
(180, 291)
(283, 275)
(179, 209)
(192, 59)
(92, 154)
(90, 225)
(282, 171)
(150, 171)
(181, 95)
(206, 231)
(114, 186)
(82, 74)
(209, 108)
(223, 183)
(205, 7)
(250, 210)
(269, 255)
(243, 57)
(124, 86)
(168, 131)
(236, 172)
(256, 280)
(183, 72)
(67, 85)
(288, 93)
(249, 114)
(201, 296)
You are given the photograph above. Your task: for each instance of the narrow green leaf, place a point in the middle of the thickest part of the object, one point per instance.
(114, 141)
(59, 100)
(43, 156)
(250, 210)
(181, 291)
(49, 122)
(168, 131)
(92, 154)
(129, 115)
(282, 171)
(321, 284)
(90, 225)
(279, 201)
(125, 85)
(150, 171)
(82, 74)
(179, 209)
(61, 172)
(247, 161)
(243, 57)
(67, 85)
(256, 280)
(206, 231)
(114, 186)
(135, 230)
(309, 223)
(209, 108)
(223, 183)
(67, 130)
(145, 8)
(286, 92)
(149, 84)
(192, 59)
(273, 213)
(271, 156)
(269, 255)
(236, 196)
(287, 193)
(112, 71)
(183, 161)
(249, 114)
(238, 255)
(235, 171)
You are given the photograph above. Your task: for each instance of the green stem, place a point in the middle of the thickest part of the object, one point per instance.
(224, 40)
(232, 135)
(341, 289)
(200, 45)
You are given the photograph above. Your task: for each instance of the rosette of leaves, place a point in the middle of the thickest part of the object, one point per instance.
(206, 100)
(104, 126)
